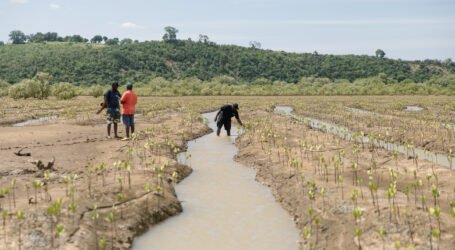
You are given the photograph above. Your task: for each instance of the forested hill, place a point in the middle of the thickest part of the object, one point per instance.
(87, 64)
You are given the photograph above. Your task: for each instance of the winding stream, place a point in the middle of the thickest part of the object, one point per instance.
(344, 133)
(223, 206)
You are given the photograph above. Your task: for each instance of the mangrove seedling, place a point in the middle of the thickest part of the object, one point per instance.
(20, 216)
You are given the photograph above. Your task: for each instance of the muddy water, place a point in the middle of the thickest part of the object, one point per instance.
(344, 133)
(223, 206)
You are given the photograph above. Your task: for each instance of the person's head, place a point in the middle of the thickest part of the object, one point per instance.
(129, 86)
(235, 106)
(115, 86)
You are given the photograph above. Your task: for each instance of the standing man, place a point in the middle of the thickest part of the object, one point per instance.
(223, 118)
(129, 101)
(111, 102)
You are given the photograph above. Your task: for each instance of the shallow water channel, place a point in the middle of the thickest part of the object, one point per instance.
(223, 206)
(36, 121)
(344, 133)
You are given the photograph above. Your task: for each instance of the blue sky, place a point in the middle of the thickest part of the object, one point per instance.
(407, 29)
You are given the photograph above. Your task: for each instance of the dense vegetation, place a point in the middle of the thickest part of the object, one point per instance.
(185, 67)
(83, 63)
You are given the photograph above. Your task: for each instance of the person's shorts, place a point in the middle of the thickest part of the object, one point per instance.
(113, 115)
(225, 123)
(128, 120)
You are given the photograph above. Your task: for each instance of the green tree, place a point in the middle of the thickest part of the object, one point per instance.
(112, 41)
(96, 39)
(126, 41)
(2, 43)
(37, 38)
(17, 37)
(170, 34)
(51, 37)
(255, 44)
(203, 38)
(380, 53)
(77, 39)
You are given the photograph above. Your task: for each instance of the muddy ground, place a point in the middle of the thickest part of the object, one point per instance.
(131, 183)
(298, 163)
(142, 192)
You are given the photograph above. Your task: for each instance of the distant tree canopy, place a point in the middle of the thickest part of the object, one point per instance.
(380, 53)
(17, 37)
(96, 39)
(255, 45)
(170, 34)
(79, 62)
(112, 41)
(203, 38)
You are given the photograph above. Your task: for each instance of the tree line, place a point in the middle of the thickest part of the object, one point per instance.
(101, 60)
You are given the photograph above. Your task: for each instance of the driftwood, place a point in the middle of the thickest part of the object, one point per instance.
(19, 153)
(40, 165)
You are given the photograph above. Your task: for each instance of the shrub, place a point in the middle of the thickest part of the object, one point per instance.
(96, 91)
(262, 81)
(4, 86)
(224, 79)
(33, 88)
(40, 88)
(64, 91)
(17, 91)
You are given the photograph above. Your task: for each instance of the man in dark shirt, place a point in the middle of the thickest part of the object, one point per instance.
(223, 118)
(112, 103)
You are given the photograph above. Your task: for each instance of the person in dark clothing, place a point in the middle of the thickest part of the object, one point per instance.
(112, 103)
(223, 118)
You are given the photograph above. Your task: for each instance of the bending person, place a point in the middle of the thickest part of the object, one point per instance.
(223, 118)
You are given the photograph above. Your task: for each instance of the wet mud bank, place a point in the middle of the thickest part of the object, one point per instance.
(90, 171)
(290, 157)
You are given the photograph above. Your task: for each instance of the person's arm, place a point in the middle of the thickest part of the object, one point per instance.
(123, 99)
(237, 117)
(217, 114)
(103, 105)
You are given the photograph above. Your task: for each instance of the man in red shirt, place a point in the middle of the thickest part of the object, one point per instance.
(128, 101)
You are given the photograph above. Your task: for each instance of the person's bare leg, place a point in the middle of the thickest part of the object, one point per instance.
(108, 129)
(115, 130)
(132, 129)
(127, 131)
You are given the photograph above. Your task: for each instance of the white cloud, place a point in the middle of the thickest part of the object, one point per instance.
(54, 6)
(130, 25)
(19, 1)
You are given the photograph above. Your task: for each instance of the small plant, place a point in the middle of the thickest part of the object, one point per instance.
(20, 216)
(36, 184)
(358, 233)
(102, 244)
(4, 217)
(13, 187)
(382, 235)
